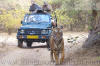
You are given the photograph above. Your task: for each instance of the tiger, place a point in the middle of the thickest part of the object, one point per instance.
(57, 45)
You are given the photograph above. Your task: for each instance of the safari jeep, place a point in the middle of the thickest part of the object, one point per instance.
(36, 27)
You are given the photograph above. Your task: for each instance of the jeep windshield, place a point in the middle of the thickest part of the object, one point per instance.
(36, 18)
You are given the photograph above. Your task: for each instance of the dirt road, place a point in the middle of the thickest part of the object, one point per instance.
(11, 55)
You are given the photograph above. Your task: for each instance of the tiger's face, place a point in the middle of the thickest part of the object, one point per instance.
(57, 33)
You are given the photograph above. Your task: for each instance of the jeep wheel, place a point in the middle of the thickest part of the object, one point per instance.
(20, 43)
(29, 44)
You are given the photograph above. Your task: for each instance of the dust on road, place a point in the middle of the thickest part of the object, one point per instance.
(37, 55)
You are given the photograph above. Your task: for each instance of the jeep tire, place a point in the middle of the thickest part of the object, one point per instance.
(29, 44)
(20, 43)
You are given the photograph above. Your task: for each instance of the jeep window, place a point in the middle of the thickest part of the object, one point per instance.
(37, 18)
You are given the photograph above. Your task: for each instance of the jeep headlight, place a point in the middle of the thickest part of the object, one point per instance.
(22, 31)
(44, 32)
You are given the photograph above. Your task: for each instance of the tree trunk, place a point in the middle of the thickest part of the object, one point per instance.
(94, 35)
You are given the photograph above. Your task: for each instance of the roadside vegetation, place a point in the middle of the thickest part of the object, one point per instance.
(10, 20)
(70, 13)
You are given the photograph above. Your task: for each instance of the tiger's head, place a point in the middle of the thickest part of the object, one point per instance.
(57, 33)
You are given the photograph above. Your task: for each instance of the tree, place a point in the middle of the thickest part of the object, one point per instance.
(94, 35)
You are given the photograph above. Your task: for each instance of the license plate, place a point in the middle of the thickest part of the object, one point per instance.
(32, 37)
